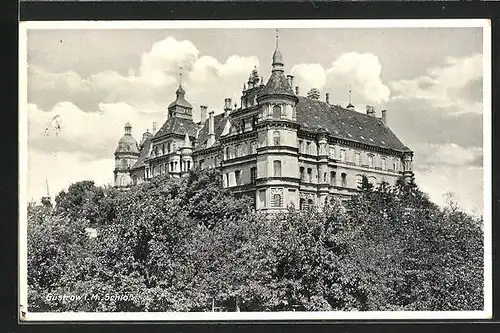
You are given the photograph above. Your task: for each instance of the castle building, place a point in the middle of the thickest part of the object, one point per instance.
(279, 147)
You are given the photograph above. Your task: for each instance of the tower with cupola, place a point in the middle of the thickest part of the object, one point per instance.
(126, 155)
(277, 154)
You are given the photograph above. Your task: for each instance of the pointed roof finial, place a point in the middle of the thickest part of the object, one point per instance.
(47, 187)
(180, 76)
(350, 106)
(277, 38)
(277, 57)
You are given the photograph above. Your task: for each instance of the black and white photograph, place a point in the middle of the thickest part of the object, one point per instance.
(253, 170)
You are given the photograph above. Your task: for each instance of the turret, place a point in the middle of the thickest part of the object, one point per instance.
(126, 154)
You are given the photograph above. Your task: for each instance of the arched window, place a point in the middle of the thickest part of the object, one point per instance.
(384, 163)
(277, 200)
(162, 169)
(343, 177)
(310, 202)
(276, 138)
(302, 203)
(277, 168)
(309, 175)
(302, 174)
(277, 112)
(332, 178)
(227, 153)
(370, 161)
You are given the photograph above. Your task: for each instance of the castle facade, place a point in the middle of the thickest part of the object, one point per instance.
(278, 146)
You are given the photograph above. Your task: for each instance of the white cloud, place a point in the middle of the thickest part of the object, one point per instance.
(94, 133)
(427, 154)
(154, 87)
(308, 76)
(360, 72)
(457, 85)
(465, 183)
(62, 169)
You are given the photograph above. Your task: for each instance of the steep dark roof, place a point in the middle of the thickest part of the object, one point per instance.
(127, 144)
(180, 100)
(346, 124)
(277, 84)
(219, 124)
(143, 155)
(177, 125)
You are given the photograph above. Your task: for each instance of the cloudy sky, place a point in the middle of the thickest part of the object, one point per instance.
(83, 85)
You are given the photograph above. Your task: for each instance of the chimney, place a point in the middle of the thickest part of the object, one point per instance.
(384, 117)
(290, 80)
(297, 90)
(370, 110)
(227, 106)
(327, 98)
(154, 127)
(211, 129)
(203, 114)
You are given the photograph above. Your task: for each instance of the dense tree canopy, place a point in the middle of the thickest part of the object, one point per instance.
(190, 245)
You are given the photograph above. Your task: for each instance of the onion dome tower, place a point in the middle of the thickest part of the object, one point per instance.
(126, 154)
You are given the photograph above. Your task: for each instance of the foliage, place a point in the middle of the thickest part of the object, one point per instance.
(190, 245)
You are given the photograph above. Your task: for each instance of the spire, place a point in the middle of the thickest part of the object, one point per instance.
(350, 106)
(277, 57)
(180, 91)
(47, 187)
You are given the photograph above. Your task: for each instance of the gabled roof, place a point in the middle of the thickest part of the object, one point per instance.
(143, 154)
(346, 124)
(177, 125)
(219, 124)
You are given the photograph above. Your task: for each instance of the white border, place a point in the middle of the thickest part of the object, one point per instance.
(228, 316)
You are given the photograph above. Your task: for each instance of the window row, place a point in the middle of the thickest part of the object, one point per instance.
(229, 181)
(240, 150)
(168, 167)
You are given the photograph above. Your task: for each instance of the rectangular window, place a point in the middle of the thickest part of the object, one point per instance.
(342, 155)
(331, 152)
(302, 174)
(237, 177)
(237, 151)
(301, 148)
(384, 164)
(308, 148)
(262, 198)
(357, 158)
(253, 175)
(277, 168)
(309, 175)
